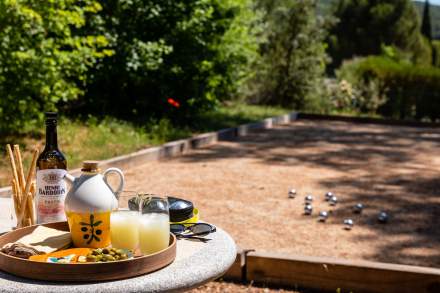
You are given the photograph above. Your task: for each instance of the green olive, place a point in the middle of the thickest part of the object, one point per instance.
(124, 256)
(91, 258)
(110, 258)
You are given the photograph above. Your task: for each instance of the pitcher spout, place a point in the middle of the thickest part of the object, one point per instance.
(69, 178)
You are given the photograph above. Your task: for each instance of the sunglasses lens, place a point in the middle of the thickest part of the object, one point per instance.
(201, 229)
(176, 228)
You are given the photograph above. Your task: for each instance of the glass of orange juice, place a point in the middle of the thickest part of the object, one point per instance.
(124, 229)
(154, 224)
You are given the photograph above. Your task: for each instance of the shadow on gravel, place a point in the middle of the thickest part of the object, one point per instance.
(413, 205)
(387, 165)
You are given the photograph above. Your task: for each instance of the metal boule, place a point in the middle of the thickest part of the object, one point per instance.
(292, 193)
(328, 195)
(308, 209)
(333, 200)
(357, 209)
(323, 215)
(348, 224)
(308, 198)
(382, 217)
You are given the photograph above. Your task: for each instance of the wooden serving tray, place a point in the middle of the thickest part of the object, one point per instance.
(84, 272)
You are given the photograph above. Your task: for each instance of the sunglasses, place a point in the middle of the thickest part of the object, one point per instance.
(192, 229)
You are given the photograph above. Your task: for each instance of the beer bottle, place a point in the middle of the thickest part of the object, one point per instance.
(51, 169)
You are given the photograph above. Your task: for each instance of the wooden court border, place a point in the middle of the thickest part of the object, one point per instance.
(323, 274)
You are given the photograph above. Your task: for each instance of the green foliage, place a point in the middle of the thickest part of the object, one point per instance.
(293, 55)
(196, 52)
(426, 21)
(410, 91)
(436, 53)
(43, 60)
(364, 26)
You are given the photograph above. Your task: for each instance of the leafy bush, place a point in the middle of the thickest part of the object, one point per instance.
(344, 97)
(43, 60)
(293, 54)
(195, 52)
(410, 91)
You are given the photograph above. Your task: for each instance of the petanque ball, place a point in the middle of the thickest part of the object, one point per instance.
(308, 198)
(292, 193)
(382, 217)
(308, 209)
(348, 224)
(357, 209)
(323, 215)
(328, 195)
(333, 200)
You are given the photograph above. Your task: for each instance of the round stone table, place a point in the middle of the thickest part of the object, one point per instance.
(196, 263)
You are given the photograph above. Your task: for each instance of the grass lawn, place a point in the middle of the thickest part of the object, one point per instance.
(99, 140)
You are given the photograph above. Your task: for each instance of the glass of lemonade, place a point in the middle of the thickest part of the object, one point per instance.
(154, 224)
(124, 229)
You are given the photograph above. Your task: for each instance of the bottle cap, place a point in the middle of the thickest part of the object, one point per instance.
(90, 166)
(51, 117)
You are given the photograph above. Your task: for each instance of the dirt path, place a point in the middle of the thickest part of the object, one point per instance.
(242, 187)
(220, 286)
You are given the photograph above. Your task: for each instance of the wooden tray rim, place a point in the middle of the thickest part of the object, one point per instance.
(24, 262)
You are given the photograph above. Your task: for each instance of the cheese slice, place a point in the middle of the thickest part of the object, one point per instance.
(46, 240)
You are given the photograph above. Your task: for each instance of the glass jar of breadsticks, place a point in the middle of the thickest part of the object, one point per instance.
(23, 188)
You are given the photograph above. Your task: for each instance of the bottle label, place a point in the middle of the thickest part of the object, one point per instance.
(51, 193)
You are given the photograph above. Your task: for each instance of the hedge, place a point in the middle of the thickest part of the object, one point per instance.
(412, 92)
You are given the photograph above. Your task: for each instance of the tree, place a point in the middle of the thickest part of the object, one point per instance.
(195, 52)
(364, 26)
(44, 59)
(293, 56)
(426, 21)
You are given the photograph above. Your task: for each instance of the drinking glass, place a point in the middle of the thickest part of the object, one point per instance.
(124, 229)
(154, 224)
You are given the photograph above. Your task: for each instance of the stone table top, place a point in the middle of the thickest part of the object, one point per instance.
(196, 263)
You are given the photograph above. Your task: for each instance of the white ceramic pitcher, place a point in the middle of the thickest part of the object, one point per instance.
(89, 203)
(91, 191)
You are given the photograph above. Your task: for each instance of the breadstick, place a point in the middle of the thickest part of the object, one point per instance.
(17, 207)
(31, 204)
(34, 189)
(26, 222)
(19, 167)
(29, 180)
(14, 197)
(14, 171)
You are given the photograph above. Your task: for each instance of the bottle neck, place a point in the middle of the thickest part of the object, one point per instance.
(51, 137)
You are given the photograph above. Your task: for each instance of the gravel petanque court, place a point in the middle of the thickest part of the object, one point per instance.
(242, 186)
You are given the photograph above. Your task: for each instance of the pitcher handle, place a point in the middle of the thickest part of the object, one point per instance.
(121, 180)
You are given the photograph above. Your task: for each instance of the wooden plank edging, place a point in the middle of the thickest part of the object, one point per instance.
(328, 274)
